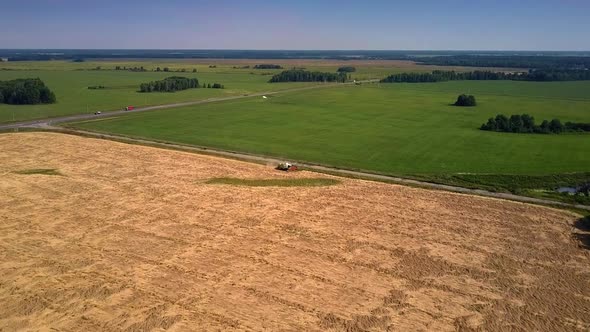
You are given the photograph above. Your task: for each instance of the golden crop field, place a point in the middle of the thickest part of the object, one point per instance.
(100, 235)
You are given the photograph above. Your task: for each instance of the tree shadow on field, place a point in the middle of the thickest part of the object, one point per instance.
(582, 232)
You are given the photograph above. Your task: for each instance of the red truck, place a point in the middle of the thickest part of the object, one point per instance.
(129, 108)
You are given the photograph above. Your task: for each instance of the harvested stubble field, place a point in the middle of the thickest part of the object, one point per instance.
(125, 237)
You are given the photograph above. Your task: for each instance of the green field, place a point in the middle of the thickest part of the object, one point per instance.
(400, 129)
(74, 97)
(70, 82)
(406, 130)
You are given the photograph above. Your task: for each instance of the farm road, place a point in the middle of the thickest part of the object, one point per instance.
(48, 122)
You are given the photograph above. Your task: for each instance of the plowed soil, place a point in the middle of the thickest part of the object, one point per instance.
(132, 238)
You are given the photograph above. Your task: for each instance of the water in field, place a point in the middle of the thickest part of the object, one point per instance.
(569, 190)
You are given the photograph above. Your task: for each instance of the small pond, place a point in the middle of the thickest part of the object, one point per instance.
(569, 190)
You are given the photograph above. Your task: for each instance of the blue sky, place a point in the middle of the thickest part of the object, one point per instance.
(303, 24)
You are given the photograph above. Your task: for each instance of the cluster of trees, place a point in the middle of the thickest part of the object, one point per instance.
(465, 100)
(170, 84)
(533, 75)
(346, 69)
(297, 75)
(25, 91)
(130, 68)
(214, 86)
(267, 66)
(526, 124)
(167, 70)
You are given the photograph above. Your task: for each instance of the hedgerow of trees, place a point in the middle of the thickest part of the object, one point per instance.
(465, 100)
(170, 84)
(296, 75)
(268, 66)
(346, 69)
(28, 91)
(137, 69)
(533, 75)
(526, 124)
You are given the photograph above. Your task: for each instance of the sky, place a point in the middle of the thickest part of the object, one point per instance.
(297, 25)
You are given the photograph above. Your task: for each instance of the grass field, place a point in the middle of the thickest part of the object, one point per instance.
(70, 81)
(395, 129)
(74, 97)
(134, 238)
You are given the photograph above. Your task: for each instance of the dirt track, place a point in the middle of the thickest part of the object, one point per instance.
(132, 238)
(44, 123)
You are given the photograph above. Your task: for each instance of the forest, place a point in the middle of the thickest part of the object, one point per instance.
(532, 75)
(511, 61)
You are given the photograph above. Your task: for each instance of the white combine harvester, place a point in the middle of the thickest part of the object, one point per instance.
(287, 167)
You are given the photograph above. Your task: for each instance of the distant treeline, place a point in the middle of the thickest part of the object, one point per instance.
(510, 61)
(346, 69)
(526, 124)
(533, 75)
(296, 75)
(170, 84)
(506, 59)
(28, 91)
(267, 66)
(556, 75)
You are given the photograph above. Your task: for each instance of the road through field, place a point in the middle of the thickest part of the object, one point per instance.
(48, 124)
(50, 121)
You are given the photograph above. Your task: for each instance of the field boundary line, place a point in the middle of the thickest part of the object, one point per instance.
(314, 167)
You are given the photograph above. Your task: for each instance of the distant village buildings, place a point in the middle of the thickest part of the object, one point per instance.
(3, 59)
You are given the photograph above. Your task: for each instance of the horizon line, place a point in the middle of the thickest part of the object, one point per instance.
(293, 50)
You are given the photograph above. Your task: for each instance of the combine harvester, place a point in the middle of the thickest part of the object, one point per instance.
(287, 167)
